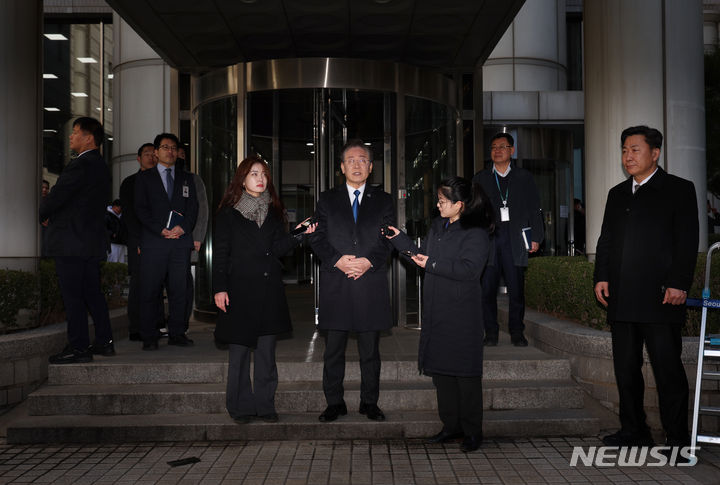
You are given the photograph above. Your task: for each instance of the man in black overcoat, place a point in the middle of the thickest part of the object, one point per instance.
(354, 293)
(646, 257)
(76, 237)
(146, 160)
(166, 206)
(516, 203)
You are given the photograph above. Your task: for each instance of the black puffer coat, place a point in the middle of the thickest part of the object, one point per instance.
(451, 339)
(246, 266)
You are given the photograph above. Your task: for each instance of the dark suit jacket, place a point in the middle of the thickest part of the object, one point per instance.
(649, 242)
(347, 304)
(127, 199)
(152, 208)
(76, 209)
(524, 204)
(246, 265)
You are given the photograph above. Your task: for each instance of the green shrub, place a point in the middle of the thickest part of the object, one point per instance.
(40, 294)
(18, 290)
(563, 286)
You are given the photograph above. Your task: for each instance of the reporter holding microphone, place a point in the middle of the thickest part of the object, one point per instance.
(453, 255)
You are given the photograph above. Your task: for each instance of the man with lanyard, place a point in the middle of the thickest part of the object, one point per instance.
(518, 231)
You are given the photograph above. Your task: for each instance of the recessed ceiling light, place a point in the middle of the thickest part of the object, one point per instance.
(309, 143)
(98, 108)
(110, 138)
(111, 76)
(50, 108)
(87, 60)
(368, 143)
(49, 131)
(79, 95)
(56, 37)
(49, 76)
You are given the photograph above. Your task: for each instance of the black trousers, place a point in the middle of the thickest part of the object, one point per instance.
(664, 345)
(514, 279)
(256, 398)
(189, 297)
(460, 404)
(334, 367)
(133, 304)
(80, 287)
(158, 267)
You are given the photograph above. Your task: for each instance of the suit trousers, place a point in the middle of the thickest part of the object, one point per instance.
(514, 280)
(460, 404)
(334, 367)
(80, 287)
(160, 266)
(244, 398)
(664, 346)
(189, 297)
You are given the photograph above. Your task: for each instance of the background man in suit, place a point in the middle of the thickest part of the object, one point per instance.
(644, 266)
(516, 202)
(75, 208)
(146, 159)
(199, 231)
(161, 193)
(354, 294)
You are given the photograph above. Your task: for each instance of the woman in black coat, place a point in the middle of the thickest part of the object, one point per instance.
(247, 279)
(454, 255)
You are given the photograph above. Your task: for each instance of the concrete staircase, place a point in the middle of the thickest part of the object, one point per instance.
(179, 395)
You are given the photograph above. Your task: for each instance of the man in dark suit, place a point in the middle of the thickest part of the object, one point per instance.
(644, 266)
(146, 159)
(354, 295)
(76, 236)
(166, 206)
(516, 202)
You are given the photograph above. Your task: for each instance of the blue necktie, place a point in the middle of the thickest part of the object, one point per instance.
(169, 179)
(355, 204)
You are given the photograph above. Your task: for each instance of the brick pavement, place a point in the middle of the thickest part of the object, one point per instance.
(359, 462)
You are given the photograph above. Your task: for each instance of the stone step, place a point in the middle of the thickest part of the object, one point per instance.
(291, 397)
(116, 371)
(206, 427)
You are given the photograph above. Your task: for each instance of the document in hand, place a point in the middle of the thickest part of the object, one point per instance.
(174, 219)
(527, 237)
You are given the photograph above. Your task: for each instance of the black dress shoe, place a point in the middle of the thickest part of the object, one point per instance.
(518, 340)
(135, 337)
(471, 443)
(71, 356)
(150, 345)
(372, 411)
(180, 340)
(626, 438)
(242, 419)
(269, 418)
(332, 412)
(444, 436)
(107, 350)
(491, 340)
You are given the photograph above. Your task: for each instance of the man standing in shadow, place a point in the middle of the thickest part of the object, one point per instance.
(354, 294)
(76, 236)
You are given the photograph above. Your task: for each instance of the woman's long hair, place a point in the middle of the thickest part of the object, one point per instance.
(236, 187)
(477, 210)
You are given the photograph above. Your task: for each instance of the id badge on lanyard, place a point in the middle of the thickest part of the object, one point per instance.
(504, 213)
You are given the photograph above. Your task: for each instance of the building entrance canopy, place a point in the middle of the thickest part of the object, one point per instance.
(198, 35)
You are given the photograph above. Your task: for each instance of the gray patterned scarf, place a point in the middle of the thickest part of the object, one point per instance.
(254, 208)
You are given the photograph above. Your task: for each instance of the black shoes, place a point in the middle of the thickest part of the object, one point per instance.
(243, 419)
(491, 340)
(518, 340)
(625, 438)
(332, 412)
(71, 356)
(444, 436)
(471, 443)
(150, 345)
(107, 350)
(180, 340)
(372, 411)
